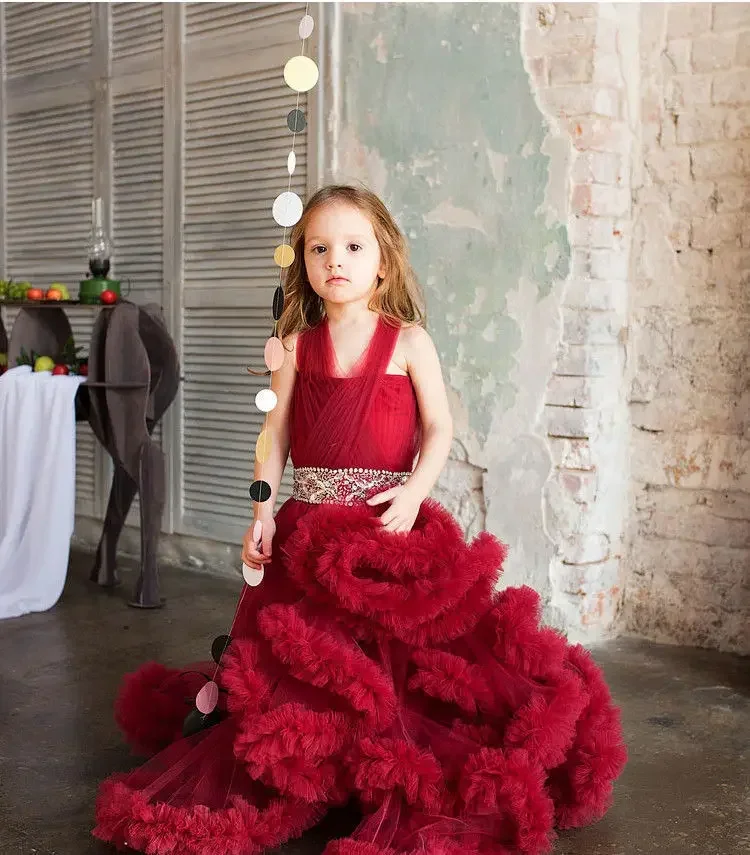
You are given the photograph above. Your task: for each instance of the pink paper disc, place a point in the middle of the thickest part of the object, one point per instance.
(207, 698)
(274, 353)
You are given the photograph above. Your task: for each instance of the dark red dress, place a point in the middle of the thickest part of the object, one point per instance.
(368, 665)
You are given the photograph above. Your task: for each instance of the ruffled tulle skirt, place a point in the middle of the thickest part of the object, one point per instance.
(380, 668)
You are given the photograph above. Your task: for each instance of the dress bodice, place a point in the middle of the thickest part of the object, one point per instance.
(367, 418)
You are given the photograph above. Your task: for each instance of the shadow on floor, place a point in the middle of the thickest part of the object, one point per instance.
(686, 715)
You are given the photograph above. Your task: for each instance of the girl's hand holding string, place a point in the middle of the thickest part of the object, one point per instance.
(402, 513)
(256, 554)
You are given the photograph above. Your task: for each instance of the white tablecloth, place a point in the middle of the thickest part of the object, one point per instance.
(37, 487)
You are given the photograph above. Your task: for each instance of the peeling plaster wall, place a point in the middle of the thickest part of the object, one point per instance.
(689, 538)
(438, 117)
(582, 59)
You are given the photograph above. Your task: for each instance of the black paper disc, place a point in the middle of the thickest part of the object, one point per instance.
(220, 644)
(296, 121)
(278, 303)
(260, 491)
(195, 721)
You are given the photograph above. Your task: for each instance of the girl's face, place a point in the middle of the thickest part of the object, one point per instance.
(342, 255)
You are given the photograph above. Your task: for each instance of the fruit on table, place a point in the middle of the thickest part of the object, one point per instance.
(53, 294)
(60, 369)
(63, 289)
(3, 360)
(18, 290)
(35, 294)
(83, 369)
(44, 363)
(108, 297)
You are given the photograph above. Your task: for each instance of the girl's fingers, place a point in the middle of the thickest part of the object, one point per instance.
(383, 497)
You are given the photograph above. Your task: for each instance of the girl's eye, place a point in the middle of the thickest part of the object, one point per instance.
(355, 246)
(318, 249)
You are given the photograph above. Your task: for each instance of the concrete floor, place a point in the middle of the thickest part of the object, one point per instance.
(686, 714)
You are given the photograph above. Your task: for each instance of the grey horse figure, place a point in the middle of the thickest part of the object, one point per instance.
(134, 376)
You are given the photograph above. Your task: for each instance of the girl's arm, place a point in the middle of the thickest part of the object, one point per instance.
(277, 426)
(426, 375)
(423, 365)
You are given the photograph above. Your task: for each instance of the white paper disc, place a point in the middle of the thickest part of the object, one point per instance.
(266, 400)
(287, 209)
(306, 27)
(301, 73)
(291, 163)
(251, 576)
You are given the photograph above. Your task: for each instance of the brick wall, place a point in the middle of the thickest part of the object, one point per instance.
(647, 410)
(688, 555)
(575, 55)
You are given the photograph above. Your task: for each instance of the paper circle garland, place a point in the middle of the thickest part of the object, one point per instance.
(195, 721)
(260, 491)
(252, 576)
(278, 303)
(263, 446)
(219, 646)
(266, 400)
(207, 698)
(287, 209)
(283, 255)
(274, 353)
(301, 73)
(296, 121)
(306, 27)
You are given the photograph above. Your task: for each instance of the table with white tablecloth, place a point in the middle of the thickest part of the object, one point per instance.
(37, 487)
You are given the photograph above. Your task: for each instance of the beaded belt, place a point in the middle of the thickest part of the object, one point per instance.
(342, 486)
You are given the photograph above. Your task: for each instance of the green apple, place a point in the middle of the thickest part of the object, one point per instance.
(3, 360)
(44, 363)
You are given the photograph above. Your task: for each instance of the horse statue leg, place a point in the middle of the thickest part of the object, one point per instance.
(152, 490)
(104, 571)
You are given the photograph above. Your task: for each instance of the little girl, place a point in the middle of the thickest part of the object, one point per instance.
(375, 663)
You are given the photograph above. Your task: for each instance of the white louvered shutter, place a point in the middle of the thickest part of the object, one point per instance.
(49, 171)
(236, 147)
(49, 186)
(137, 28)
(46, 37)
(205, 20)
(138, 150)
(138, 158)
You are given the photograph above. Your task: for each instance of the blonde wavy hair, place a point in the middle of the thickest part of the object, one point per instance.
(397, 298)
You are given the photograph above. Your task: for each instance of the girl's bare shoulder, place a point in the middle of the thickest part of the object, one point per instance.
(414, 337)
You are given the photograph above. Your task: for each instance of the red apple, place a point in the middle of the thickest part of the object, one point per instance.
(53, 294)
(60, 369)
(108, 297)
(83, 369)
(35, 294)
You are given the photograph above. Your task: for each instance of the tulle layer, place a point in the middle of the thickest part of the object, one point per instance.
(389, 672)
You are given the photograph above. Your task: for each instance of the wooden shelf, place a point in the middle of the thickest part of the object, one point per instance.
(53, 304)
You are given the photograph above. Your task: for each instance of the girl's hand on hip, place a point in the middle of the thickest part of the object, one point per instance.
(258, 553)
(402, 513)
